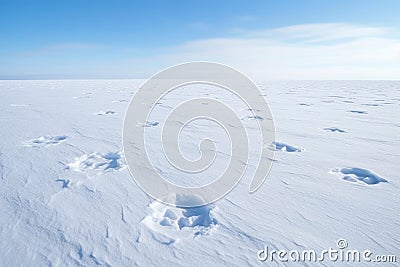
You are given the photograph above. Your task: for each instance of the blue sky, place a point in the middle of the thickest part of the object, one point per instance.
(133, 39)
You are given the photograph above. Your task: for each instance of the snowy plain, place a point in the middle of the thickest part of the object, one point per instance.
(67, 198)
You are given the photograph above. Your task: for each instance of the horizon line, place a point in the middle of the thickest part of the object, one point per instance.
(125, 78)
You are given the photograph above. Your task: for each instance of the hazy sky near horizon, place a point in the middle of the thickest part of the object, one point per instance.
(317, 39)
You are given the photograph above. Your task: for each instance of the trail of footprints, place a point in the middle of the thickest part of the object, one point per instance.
(91, 164)
(193, 222)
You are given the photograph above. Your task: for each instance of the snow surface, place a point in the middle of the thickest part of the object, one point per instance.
(67, 198)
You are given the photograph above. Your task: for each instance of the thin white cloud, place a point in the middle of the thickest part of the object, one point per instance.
(310, 51)
(324, 32)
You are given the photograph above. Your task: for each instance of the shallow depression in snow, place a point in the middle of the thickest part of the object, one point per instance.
(46, 140)
(195, 221)
(98, 162)
(359, 175)
(279, 146)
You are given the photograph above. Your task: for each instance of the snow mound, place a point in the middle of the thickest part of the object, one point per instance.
(279, 146)
(170, 220)
(97, 162)
(44, 141)
(359, 175)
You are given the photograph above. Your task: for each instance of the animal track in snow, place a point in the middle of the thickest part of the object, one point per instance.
(171, 221)
(19, 105)
(358, 175)
(371, 105)
(358, 111)
(150, 124)
(305, 104)
(44, 141)
(334, 130)
(279, 146)
(252, 117)
(65, 182)
(108, 112)
(83, 95)
(119, 101)
(97, 162)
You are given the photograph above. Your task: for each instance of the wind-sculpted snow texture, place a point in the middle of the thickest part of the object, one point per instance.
(67, 198)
